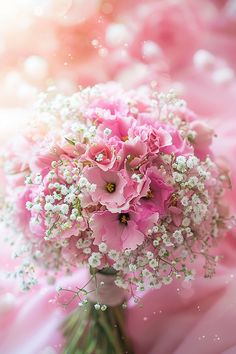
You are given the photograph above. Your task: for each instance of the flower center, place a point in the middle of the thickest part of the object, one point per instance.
(124, 218)
(125, 138)
(110, 187)
(174, 200)
(149, 194)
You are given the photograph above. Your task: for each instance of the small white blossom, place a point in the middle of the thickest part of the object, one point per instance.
(48, 207)
(87, 250)
(99, 157)
(136, 178)
(156, 242)
(192, 161)
(114, 255)
(185, 201)
(177, 177)
(29, 205)
(186, 222)
(153, 263)
(167, 280)
(102, 247)
(38, 179)
(132, 267)
(64, 209)
(150, 255)
(107, 131)
(83, 182)
(97, 307)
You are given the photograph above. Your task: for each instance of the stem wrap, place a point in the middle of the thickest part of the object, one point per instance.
(107, 292)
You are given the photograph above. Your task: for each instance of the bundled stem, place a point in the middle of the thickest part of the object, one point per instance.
(89, 331)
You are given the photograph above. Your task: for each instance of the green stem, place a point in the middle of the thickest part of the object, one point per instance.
(96, 332)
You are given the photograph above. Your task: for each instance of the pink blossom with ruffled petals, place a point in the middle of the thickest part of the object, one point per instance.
(119, 127)
(109, 188)
(102, 155)
(118, 231)
(203, 138)
(43, 157)
(156, 139)
(157, 192)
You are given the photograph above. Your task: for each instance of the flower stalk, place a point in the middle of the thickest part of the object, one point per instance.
(92, 329)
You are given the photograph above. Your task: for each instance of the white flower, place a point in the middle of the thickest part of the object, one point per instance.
(64, 190)
(155, 229)
(181, 163)
(102, 247)
(94, 260)
(53, 164)
(103, 307)
(153, 263)
(192, 161)
(49, 199)
(64, 209)
(177, 177)
(185, 201)
(37, 208)
(99, 157)
(192, 182)
(177, 235)
(162, 252)
(28, 180)
(48, 207)
(114, 255)
(167, 280)
(150, 255)
(83, 182)
(132, 267)
(91, 187)
(136, 178)
(146, 273)
(28, 205)
(107, 131)
(97, 307)
(38, 179)
(156, 242)
(186, 222)
(87, 250)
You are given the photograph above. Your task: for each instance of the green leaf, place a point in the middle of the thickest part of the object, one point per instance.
(71, 142)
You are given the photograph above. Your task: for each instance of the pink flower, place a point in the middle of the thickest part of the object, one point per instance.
(157, 193)
(179, 145)
(44, 154)
(156, 139)
(119, 127)
(102, 155)
(102, 109)
(110, 187)
(133, 152)
(120, 231)
(203, 139)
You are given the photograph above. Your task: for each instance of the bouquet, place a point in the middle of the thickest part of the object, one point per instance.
(122, 183)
